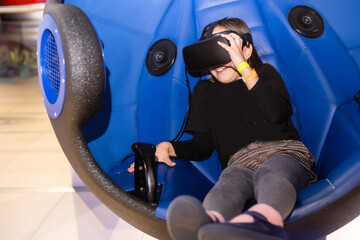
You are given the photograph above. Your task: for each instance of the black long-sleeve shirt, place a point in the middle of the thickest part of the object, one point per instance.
(228, 117)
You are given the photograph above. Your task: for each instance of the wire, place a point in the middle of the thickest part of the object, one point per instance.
(127, 156)
(182, 129)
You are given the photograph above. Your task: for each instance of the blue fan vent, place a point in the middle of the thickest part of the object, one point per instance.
(52, 63)
(51, 66)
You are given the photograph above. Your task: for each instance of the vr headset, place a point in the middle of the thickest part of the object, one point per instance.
(207, 53)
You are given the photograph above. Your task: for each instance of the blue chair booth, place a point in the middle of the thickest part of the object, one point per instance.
(106, 85)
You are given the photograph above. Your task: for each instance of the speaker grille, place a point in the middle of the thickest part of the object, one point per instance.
(306, 21)
(161, 57)
(52, 63)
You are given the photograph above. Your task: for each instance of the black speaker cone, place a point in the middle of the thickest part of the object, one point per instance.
(161, 57)
(306, 21)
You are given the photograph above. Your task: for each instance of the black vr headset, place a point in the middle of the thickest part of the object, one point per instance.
(207, 53)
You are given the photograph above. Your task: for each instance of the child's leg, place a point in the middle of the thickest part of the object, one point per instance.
(228, 196)
(275, 186)
(186, 215)
(276, 183)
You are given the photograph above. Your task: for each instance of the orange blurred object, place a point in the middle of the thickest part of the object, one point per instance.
(20, 2)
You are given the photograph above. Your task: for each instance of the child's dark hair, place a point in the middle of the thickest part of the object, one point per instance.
(239, 26)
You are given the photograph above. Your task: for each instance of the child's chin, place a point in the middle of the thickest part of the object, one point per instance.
(226, 79)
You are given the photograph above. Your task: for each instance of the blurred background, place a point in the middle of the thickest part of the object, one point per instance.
(40, 196)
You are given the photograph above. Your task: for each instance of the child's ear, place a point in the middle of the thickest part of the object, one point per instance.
(247, 51)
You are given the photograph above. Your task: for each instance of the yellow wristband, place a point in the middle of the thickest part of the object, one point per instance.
(250, 75)
(241, 66)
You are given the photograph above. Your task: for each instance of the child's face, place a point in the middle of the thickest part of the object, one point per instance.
(225, 73)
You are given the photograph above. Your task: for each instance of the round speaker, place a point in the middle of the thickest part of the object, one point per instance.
(161, 57)
(306, 21)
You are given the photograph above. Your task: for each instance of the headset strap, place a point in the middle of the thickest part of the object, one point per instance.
(210, 30)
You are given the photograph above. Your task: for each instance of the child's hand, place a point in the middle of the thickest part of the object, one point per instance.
(132, 167)
(162, 154)
(235, 49)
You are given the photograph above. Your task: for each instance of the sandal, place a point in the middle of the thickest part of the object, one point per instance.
(185, 216)
(258, 230)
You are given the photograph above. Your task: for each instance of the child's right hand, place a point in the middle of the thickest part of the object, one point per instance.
(235, 49)
(162, 154)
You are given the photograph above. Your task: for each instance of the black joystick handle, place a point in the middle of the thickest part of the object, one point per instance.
(145, 172)
(357, 97)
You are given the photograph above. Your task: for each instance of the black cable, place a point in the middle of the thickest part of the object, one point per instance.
(182, 129)
(127, 156)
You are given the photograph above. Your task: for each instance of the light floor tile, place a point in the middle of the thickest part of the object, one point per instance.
(6, 107)
(147, 237)
(21, 123)
(34, 180)
(19, 220)
(46, 141)
(13, 142)
(82, 216)
(6, 157)
(19, 197)
(28, 108)
(4, 162)
(37, 161)
(20, 90)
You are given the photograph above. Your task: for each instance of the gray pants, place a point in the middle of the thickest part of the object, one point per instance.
(274, 183)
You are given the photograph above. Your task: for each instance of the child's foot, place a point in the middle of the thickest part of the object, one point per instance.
(251, 225)
(271, 215)
(185, 216)
(216, 217)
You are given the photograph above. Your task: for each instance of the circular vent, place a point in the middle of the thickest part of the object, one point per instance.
(51, 59)
(306, 21)
(161, 57)
(51, 66)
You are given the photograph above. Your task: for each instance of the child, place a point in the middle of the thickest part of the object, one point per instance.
(243, 111)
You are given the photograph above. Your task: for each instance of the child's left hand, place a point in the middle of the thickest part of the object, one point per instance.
(235, 49)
